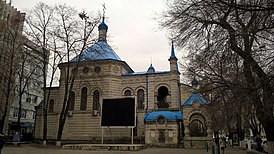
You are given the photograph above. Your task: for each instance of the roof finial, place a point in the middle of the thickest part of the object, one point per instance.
(103, 21)
(172, 50)
(104, 10)
(195, 82)
(151, 69)
(103, 27)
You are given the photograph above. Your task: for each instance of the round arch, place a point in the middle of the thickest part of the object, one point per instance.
(161, 85)
(127, 89)
(138, 88)
(96, 88)
(197, 125)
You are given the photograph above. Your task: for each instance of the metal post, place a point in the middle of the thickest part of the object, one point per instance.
(102, 137)
(249, 145)
(131, 135)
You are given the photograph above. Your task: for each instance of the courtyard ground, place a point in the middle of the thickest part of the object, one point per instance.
(51, 149)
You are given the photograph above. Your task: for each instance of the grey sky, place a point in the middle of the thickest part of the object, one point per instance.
(135, 34)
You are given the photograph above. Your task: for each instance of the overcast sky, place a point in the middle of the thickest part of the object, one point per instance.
(135, 34)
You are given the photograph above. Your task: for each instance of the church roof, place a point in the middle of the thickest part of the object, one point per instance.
(144, 73)
(169, 115)
(195, 96)
(98, 51)
(172, 55)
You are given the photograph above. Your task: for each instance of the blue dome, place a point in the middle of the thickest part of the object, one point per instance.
(103, 25)
(151, 67)
(98, 51)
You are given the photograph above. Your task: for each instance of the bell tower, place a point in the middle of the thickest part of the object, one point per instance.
(174, 80)
(173, 60)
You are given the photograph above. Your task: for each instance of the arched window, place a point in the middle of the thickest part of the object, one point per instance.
(127, 93)
(161, 97)
(51, 106)
(96, 98)
(84, 96)
(140, 99)
(71, 100)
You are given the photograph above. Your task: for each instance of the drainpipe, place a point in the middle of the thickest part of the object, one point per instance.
(146, 92)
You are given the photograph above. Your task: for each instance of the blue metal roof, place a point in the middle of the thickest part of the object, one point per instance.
(172, 51)
(98, 51)
(144, 73)
(195, 96)
(169, 115)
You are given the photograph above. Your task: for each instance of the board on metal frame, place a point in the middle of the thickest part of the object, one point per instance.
(118, 113)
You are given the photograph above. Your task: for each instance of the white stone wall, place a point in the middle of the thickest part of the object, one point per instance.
(82, 125)
(170, 130)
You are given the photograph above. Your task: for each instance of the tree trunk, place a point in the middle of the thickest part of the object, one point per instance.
(18, 129)
(64, 111)
(45, 102)
(60, 132)
(7, 94)
(4, 116)
(65, 108)
(45, 130)
(62, 119)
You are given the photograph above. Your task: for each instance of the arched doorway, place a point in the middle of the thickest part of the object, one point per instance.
(197, 125)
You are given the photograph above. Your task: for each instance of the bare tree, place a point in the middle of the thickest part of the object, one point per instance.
(28, 74)
(39, 29)
(220, 27)
(60, 30)
(75, 38)
(11, 44)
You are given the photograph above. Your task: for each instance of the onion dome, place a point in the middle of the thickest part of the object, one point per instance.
(103, 25)
(151, 69)
(194, 83)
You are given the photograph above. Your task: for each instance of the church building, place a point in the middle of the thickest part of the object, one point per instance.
(168, 113)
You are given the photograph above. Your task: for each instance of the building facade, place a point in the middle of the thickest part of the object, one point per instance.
(24, 61)
(33, 92)
(167, 111)
(11, 27)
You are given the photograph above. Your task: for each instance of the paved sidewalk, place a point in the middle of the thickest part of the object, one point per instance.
(51, 149)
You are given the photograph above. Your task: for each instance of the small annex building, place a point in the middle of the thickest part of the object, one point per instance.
(168, 113)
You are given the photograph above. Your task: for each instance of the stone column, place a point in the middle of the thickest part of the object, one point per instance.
(187, 131)
(209, 130)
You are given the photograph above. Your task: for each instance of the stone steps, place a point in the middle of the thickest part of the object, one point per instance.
(105, 147)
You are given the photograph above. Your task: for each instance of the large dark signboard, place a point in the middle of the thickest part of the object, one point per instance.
(118, 112)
